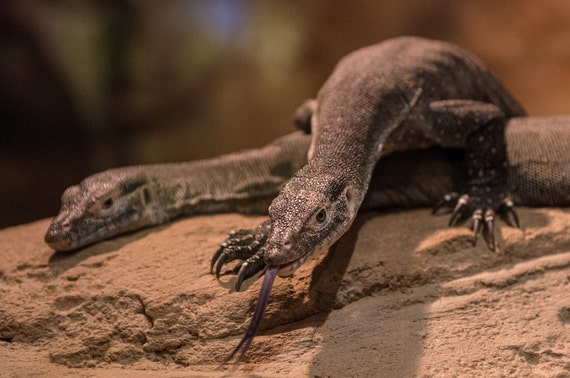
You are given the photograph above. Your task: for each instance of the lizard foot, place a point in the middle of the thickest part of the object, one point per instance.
(482, 213)
(245, 245)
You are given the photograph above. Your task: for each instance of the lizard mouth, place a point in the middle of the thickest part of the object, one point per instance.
(59, 240)
(68, 240)
(289, 268)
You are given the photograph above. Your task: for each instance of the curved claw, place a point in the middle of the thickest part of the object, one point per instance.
(216, 256)
(249, 268)
(221, 262)
(483, 204)
(490, 226)
(457, 210)
(241, 276)
(477, 218)
(445, 201)
(512, 211)
(507, 207)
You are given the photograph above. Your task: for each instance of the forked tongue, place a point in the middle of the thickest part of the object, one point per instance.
(262, 301)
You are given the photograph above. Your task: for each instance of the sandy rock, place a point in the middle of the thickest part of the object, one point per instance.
(400, 295)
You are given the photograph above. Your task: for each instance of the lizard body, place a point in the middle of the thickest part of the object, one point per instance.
(538, 171)
(399, 94)
(389, 99)
(538, 175)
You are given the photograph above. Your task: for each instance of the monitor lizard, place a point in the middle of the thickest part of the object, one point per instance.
(402, 93)
(125, 199)
(405, 93)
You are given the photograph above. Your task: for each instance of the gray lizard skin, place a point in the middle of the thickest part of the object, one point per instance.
(125, 199)
(538, 175)
(396, 99)
(401, 94)
(404, 93)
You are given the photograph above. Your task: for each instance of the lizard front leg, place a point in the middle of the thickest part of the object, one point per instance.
(245, 245)
(483, 127)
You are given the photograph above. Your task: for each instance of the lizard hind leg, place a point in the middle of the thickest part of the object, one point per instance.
(244, 245)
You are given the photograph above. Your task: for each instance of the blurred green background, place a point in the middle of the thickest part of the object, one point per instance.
(89, 85)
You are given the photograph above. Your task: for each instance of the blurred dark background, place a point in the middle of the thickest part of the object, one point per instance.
(87, 85)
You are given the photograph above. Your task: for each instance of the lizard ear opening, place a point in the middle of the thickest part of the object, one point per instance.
(146, 196)
(351, 200)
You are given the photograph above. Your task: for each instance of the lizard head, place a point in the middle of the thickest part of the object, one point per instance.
(102, 205)
(308, 216)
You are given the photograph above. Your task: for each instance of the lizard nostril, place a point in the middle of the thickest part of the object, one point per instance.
(66, 226)
(50, 236)
(277, 254)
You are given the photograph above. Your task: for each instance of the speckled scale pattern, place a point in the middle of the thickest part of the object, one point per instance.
(405, 93)
(245, 182)
(538, 151)
(538, 172)
(401, 94)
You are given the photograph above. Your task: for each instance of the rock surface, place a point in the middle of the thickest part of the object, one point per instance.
(400, 295)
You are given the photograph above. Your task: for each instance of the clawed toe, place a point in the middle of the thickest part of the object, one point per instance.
(477, 221)
(483, 211)
(506, 209)
(249, 268)
(490, 228)
(244, 245)
(460, 207)
(487, 222)
(448, 200)
(216, 257)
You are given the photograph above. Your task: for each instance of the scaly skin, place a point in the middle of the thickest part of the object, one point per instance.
(538, 175)
(538, 152)
(400, 94)
(403, 94)
(124, 199)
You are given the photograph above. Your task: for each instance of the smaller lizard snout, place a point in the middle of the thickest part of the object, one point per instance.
(53, 238)
(57, 236)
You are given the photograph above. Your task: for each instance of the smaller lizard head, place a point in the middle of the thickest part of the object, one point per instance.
(102, 205)
(308, 216)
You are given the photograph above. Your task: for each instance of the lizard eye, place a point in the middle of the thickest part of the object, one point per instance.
(320, 219)
(105, 207)
(321, 216)
(107, 204)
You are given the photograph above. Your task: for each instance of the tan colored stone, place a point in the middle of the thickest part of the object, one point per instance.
(399, 295)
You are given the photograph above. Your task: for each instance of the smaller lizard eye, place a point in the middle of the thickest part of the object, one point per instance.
(107, 204)
(321, 216)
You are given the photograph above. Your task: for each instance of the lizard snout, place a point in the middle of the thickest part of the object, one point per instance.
(278, 253)
(54, 239)
(58, 235)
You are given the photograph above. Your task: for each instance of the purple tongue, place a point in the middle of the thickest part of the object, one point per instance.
(244, 344)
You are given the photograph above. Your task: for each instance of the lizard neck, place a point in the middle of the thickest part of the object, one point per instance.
(244, 182)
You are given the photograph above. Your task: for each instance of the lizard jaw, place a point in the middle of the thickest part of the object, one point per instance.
(67, 241)
(64, 240)
(289, 268)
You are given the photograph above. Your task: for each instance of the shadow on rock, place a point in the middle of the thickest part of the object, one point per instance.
(61, 261)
